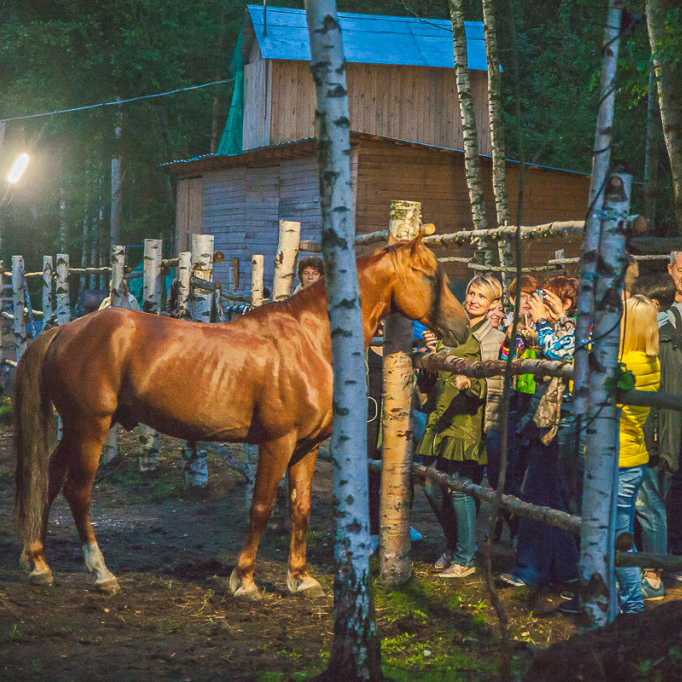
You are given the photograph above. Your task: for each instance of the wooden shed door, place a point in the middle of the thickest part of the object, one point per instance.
(188, 218)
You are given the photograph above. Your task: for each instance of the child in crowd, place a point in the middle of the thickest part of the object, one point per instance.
(638, 352)
(453, 441)
(546, 553)
(662, 433)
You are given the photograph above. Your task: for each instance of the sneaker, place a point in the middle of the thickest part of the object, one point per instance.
(457, 571)
(512, 581)
(445, 559)
(570, 607)
(415, 535)
(651, 592)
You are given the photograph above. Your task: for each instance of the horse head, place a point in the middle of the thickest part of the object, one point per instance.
(421, 292)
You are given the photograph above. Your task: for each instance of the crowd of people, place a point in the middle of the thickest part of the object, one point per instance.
(458, 431)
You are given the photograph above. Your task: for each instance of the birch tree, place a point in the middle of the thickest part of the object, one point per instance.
(599, 601)
(470, 137)
(356, 653)
(601, 159)
(499, 169)
(669, 97)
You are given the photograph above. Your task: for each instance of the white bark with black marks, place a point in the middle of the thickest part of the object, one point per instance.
(184, 277)
(62, 295)
(356, 654)
(47, 296)
(599, 599)
(285, 260)
(396, 489)
(202, 267)
(469, 133)
(18, 305)
(601, 159)
(151, 303)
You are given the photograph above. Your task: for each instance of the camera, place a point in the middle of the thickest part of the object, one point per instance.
(541, 293)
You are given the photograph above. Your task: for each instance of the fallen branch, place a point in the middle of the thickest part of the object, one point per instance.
(229, 458)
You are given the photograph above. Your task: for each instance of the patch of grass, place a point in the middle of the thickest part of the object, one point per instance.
(5, 410)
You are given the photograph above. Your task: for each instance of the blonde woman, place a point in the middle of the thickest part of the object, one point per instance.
(639, 354)
(454, 440)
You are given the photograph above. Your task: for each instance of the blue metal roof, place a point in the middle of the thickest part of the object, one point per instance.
(370, 38)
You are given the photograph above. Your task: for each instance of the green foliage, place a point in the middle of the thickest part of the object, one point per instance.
(63, 53)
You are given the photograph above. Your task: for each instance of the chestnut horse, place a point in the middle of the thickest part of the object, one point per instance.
(264, 378)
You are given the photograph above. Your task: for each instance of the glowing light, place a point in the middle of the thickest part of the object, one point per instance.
(17, 169)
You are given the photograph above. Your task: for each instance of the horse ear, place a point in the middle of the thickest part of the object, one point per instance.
(392, 239)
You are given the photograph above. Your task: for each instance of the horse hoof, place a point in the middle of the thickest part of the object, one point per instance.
(306, 587)
(242, 591)
(41, 578)
(108, 587)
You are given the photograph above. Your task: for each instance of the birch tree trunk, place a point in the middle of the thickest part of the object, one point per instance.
(151, 303)
(601, 158)
(499, 168)
(47, 297)
(19, 302)
(251, 451)
(184, 275)
(285, 260)
(62, 297)
(466, 110)
(651, 156)
(115, 222)
(86, 230)
(669, 97)
(63, 229)
(396, 489)
(118, 261)
(598, 595)
(356, 654)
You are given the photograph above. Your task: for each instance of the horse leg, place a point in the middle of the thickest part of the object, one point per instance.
(34, 551)
(85, 448)
(273, 458)
(299, 580)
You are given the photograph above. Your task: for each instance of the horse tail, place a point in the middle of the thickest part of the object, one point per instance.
(32, 411)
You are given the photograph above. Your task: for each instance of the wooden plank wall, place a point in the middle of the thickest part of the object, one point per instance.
(256, 126)
(403, 102)
(188, 217)
(436, 178)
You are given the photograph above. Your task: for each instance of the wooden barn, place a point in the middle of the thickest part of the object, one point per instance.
(405, 132)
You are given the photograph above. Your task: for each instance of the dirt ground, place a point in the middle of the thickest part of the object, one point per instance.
(173, 550)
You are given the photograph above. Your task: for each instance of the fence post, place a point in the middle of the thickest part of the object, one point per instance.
(202, 267)
(184, 274)
(151, 303)
(396, 502)
(118, 261)
(62, 295)
(19, 303)
(251, 451)
(598, 595)
(285, 260)
(47, 295)
(195, 463)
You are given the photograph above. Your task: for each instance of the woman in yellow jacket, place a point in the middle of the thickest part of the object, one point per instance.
(639, 354)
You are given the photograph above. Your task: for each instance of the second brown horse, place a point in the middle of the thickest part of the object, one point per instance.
(265, 378)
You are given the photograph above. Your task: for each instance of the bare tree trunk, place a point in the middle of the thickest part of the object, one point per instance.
(499, 168)
(86, 230)
(466, 109)
(19, 302)
(651, 157)
(601, 158)
(669, 98)
(115, 224)
(599, 599)
(287, 250)
(47, 296)
(356, 654)
(63, 228)
(396, 489)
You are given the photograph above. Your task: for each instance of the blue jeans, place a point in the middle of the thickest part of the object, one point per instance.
(629, 577)
(456, 511)
(544, 553)
(651, 510)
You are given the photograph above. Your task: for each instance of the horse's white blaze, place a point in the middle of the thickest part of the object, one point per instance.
(94, 562)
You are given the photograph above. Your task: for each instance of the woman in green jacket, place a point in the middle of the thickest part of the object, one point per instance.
(453, 442)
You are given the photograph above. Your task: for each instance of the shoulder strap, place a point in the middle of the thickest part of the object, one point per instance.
(678, 318)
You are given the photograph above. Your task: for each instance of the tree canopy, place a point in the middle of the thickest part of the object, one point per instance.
(57, 54)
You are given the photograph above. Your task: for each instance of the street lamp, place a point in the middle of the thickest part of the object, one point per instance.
(17, 169)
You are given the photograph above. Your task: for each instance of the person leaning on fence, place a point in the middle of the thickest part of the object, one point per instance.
(638, 352)
(453, 441)
(662, 433)
(546, 553)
